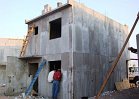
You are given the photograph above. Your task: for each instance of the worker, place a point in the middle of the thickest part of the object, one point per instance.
(133, 50)
(56, 83)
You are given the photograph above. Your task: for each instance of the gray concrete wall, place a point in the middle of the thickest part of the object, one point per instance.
(41, 44)
(45, 88)
(51, 50)
(17, 78)
(8, 51)
(9, 47)
(97, 40)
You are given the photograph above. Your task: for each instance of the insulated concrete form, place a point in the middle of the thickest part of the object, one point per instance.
(88, 45)
(97, 42)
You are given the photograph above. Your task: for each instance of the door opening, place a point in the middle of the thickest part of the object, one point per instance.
(33, 67)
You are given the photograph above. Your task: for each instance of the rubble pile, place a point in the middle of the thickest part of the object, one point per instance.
(108, 93)
(132, 93)
(29, 97)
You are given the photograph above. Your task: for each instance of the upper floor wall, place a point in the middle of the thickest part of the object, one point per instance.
(82, 29)
(52, 34)
(96, 33)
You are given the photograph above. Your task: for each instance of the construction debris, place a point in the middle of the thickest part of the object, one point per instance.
(29, 97)
(108, 93)
(132, 93)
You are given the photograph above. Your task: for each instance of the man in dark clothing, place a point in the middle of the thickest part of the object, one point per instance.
(133, 50)
(56, 83)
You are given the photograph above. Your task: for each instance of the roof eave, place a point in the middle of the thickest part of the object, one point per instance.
(49, 13)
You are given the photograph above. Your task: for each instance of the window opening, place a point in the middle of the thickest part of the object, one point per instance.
(36, 30)
(55, 29)
(54, 65)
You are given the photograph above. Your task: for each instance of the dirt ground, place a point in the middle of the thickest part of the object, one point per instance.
(17, 97)
(132, 93)
(2, 95)
(7, 97)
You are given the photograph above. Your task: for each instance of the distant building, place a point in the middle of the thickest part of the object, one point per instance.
(8, 47)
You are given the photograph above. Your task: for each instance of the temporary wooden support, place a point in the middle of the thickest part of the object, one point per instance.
(26, 40)
(108, 74)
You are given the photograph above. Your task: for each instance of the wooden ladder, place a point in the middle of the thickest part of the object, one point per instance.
(26, 40)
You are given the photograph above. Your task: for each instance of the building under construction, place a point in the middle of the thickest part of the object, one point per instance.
(8, 47)
(76, 39)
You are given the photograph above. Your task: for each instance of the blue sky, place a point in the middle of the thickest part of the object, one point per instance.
(14, 12)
